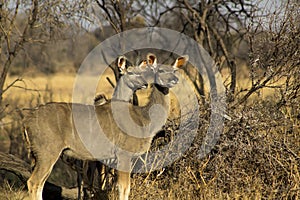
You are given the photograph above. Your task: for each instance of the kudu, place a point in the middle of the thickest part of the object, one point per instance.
(86, 169)
(50, 130)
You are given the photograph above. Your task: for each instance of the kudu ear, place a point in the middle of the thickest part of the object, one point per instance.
(143, 64)
(181, 61)
(123, 64)
(151, 59)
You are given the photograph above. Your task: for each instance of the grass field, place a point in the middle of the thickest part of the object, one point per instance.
(257, 156)
(41, 88)
(56, 87)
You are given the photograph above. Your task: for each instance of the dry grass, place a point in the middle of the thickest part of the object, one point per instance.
(53, 87)
(57, 87)
(257, 157)
(10, 192)
(40, 89)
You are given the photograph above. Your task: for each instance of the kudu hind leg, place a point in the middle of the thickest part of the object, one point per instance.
(80, 182)
(41, 171)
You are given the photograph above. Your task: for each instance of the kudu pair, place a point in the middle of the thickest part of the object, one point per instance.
(51, 130)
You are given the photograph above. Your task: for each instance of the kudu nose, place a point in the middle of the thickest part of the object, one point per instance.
(145, 86)
(175, 80)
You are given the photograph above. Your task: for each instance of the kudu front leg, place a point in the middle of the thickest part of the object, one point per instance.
(123, 182)
(42, 169)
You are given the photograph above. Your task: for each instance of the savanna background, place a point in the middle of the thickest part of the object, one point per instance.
(255, 45)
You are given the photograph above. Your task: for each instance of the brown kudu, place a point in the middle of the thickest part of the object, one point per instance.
(50, 129)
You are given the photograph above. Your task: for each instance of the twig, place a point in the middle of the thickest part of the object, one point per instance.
(290, 151)
(12, 84)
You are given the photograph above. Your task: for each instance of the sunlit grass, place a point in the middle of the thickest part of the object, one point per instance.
(10, 192)
(235, 171)
(55, 87)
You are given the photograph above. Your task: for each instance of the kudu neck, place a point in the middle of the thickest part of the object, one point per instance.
(122, 92)
(158, 96)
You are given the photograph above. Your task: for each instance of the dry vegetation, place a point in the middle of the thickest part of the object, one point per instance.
(10, 192)
(258, 154)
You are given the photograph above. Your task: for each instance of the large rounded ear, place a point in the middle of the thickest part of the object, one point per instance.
(143, 64)
(181, 61)
(123, 64)
(151, 59)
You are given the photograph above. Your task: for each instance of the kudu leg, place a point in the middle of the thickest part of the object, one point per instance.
(90, 169)
(124, 185)
(42, 170)
(80, 182)
(124, 177)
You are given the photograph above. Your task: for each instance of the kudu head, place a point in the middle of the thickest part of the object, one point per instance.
(147, 72)
(131, 79)
(162, 76)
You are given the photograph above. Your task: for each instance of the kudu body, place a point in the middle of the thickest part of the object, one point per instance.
(86, 169)
(50, 130)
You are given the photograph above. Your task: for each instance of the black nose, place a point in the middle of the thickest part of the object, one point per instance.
(143, 86)
(175, 80)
